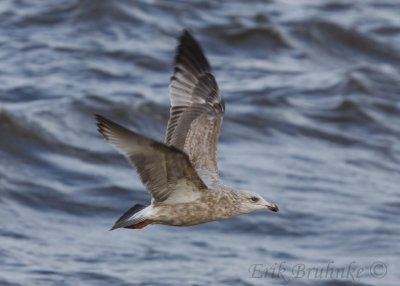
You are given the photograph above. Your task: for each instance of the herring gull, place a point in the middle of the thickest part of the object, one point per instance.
(181, 174)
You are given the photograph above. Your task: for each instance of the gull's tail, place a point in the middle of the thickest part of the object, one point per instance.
(135, 217)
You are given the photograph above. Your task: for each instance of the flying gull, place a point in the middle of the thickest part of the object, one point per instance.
(181, 174)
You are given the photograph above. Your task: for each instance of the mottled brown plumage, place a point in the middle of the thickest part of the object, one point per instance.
(182, 174)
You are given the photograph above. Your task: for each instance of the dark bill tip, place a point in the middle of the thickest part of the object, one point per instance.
(273, 208)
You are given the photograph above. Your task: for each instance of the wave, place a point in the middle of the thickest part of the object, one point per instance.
(339, 43)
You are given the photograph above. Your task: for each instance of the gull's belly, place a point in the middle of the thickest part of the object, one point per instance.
(190, 213)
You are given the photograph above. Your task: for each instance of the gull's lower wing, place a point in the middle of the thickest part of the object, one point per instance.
(165, 171)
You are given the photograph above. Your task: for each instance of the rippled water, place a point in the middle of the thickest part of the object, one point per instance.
(312, 122)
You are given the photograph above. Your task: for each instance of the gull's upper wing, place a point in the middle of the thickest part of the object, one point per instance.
(197, 108)
(164, 170)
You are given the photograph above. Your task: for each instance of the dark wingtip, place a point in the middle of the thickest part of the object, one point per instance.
(186, 38)
(185, 34)
(104, 126)
(191, 53)
(100, 122)
(98, 117)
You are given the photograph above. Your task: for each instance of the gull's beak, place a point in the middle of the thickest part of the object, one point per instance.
(272, 207)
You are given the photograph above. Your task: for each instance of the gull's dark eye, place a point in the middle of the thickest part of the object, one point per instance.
(254, 199)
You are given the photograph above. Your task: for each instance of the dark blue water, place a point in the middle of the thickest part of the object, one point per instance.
(312, 122)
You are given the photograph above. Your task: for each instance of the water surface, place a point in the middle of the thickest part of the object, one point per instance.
(312, 122)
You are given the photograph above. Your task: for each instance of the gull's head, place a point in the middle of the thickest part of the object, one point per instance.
(251, 201)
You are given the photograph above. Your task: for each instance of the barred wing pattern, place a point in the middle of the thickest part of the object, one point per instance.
(165, 171)
(196, 109)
